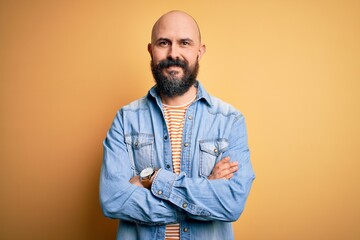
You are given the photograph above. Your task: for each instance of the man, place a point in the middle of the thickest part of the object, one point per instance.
(176, 162)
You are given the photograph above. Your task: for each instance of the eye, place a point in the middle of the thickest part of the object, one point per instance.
(163, 43)
(185, 43)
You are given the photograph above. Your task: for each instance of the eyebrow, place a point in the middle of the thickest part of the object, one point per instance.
(180, 40)
(186, 39)
(162, 39)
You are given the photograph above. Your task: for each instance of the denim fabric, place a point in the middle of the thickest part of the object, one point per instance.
(139, 138)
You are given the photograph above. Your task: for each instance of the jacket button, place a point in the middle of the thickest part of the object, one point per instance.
(190, 117)
(185, 229)
(166, 137)
(184, 205)
(159, 192)
(215, 150)
(168, 166)
(186, 144)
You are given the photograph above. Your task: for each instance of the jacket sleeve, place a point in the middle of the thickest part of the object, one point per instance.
(121, 199)
(207, 200)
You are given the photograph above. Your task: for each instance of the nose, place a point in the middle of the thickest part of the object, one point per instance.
(173, 52)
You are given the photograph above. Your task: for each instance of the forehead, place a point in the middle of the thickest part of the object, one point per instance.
(176, 26)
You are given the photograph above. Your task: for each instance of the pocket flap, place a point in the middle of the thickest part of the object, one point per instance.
(214, 147)
(139, 140)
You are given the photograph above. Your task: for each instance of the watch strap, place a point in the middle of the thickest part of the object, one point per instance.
(146, 182)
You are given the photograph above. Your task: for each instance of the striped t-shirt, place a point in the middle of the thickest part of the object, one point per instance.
(175, 118)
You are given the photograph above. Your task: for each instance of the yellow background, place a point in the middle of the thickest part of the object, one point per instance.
(292, 68)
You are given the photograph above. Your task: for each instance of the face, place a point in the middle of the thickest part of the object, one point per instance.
(175, 51)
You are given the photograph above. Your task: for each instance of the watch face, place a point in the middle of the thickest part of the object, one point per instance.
(146, 172)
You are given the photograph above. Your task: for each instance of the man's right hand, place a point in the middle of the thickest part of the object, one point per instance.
(136, 181)
(224, 169)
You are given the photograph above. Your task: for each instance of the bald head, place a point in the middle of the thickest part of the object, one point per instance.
(176, 23)
(175, 51)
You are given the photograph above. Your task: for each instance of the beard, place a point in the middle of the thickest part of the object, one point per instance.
(174, 86)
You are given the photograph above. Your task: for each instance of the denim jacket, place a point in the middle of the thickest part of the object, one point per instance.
(139, 138)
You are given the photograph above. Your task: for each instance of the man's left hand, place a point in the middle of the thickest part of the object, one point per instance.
(224, 169)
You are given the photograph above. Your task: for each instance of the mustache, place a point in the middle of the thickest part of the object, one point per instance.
(172, 63)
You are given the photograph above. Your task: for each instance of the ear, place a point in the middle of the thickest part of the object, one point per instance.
(202, 50)
(149, 48)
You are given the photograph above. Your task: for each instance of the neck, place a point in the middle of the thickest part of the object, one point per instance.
(180, 100)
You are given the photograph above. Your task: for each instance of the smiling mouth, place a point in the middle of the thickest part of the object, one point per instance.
(173, 70)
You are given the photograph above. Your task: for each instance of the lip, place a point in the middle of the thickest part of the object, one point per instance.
(173, 70)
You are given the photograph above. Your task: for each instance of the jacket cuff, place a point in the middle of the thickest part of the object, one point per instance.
(163, 184)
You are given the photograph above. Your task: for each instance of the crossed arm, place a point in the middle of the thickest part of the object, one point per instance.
(221, 196)
(224, 169)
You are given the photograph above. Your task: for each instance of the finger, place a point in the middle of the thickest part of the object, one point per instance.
(223, 168)
(222, 161)
(133, 179)
(223, 164)
(230, 175)
(226, 166)
(234, 169)
(232, 164)
(226, 174)
(223, 173)
(229, 170)
(225, 159)
(136, 181)
(216, 175)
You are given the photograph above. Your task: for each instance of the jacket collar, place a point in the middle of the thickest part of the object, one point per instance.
(202, 94)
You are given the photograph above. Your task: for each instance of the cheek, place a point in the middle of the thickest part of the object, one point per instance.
(157, 56)
(191, 55)
(192, 59)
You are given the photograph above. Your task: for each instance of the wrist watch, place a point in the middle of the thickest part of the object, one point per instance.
(145, 177)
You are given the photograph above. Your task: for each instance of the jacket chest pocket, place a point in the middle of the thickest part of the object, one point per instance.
(210, 152)
(140, 148)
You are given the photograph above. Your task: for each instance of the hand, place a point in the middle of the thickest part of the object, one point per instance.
(224, 169)
(136, 181)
